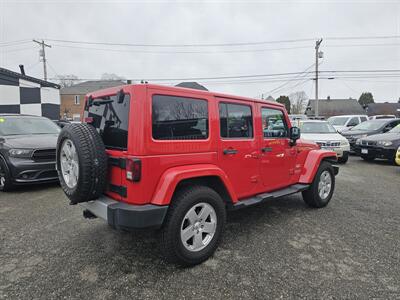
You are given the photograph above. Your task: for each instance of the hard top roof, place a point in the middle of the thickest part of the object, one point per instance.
(110, 91)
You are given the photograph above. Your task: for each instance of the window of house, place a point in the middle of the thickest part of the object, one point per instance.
(77, 100)
(273, 123)
(236, 120)
(179, 118)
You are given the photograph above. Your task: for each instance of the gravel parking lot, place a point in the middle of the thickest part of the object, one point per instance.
(281, 249)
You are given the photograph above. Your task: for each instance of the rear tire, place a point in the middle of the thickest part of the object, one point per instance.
(89, 163)
(5, 177)
(368, 157)
(185, 217)
(321, 190)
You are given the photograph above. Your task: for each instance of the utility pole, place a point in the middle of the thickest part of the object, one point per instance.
(42, 55)
(317, 53)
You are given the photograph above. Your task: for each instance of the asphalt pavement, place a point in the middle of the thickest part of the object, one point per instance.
(281, 249)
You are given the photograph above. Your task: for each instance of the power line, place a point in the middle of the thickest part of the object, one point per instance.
(181, 45)
(223, 44)
(183, 52)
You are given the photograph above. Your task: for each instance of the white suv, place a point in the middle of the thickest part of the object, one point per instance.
(343, 123)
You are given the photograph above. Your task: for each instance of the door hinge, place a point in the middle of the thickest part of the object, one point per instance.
(118, 189)
(119, 162)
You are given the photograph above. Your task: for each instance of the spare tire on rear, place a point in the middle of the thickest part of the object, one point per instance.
(81, 162)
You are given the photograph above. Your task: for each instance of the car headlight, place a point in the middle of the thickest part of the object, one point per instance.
(20, 153)
(384, 143)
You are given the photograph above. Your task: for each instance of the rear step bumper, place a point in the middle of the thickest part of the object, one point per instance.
(121, 215)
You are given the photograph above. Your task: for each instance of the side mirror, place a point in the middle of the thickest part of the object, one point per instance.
(294, 135)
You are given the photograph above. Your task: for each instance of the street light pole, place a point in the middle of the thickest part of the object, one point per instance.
(317, 44)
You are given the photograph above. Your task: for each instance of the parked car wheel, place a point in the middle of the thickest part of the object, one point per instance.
(5, 177)
(193, 226)
(81, 162)
(368, 157)
(344, 158)
(321, 190)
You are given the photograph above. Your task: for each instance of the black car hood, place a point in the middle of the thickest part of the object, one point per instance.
(357, 132)
(383, 137)
(34, 141)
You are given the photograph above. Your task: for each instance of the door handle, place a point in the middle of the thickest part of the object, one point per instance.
(229, 151)
(266, 149)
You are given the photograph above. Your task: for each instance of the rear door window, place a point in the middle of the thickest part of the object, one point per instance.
(236, 120)
(179, 118)
(111, 119)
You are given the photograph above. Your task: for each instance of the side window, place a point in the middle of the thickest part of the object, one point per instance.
(363, 119)
(353, 121)
(179, 118)
(273, 123)
(392, 125)
(236, 120)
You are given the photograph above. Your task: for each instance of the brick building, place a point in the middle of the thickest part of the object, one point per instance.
(72, 98)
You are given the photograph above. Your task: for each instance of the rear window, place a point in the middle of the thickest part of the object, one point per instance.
(179, 118)
(111, 119)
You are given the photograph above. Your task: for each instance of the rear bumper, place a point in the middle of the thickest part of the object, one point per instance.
(120, 215)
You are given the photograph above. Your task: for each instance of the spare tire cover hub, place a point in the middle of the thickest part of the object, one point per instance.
(69, 163)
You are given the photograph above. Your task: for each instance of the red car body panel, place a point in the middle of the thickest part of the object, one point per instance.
(167, 162)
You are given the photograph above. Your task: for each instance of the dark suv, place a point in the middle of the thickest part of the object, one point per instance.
(27, 150)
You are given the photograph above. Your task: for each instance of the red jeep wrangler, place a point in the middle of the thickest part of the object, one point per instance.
(178, 158)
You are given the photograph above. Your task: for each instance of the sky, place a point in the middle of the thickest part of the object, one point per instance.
(202, 23)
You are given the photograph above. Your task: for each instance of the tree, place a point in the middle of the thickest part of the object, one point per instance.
(285, 101)
(365, 99)
(298, 101)
(67, 80)
(111, 76)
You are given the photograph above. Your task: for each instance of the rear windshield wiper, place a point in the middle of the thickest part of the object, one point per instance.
(100, 101)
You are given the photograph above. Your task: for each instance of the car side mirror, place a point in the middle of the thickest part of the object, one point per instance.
(294, 135)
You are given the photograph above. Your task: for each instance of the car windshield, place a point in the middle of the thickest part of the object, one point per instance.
(338, 121)
(316, 127)
(18, 125)
(396, 129)
(369, 125)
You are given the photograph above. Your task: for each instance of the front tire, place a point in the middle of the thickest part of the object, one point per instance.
(193, 226)
(321, 190)
(344, 158)
(5, 177)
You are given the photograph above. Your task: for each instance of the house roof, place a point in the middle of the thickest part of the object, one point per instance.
(335, 107)
(383, 109)
(11, 76)
(90, 86)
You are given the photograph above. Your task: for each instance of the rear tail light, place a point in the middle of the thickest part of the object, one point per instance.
(133, 169)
